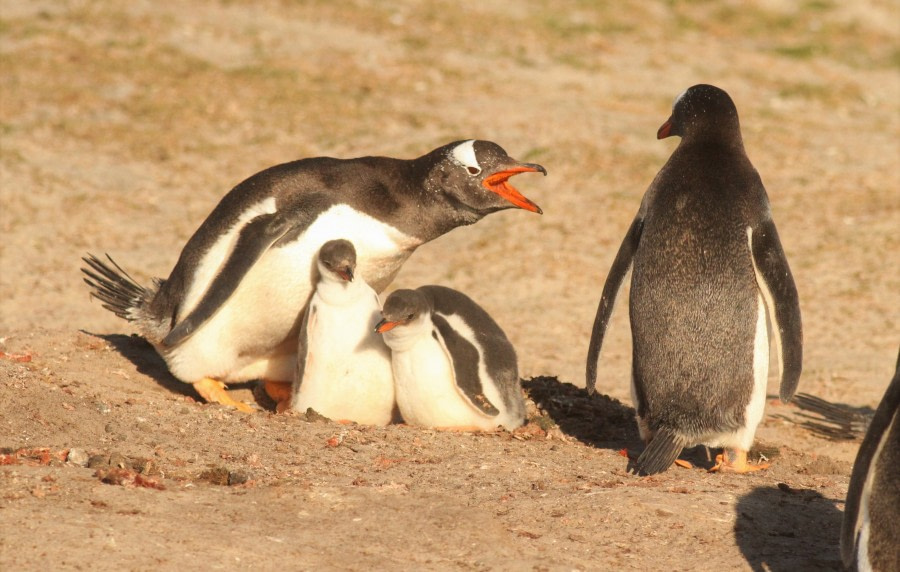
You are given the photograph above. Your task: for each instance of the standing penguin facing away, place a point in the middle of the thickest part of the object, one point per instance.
(707, 268)
(230, 309)
(870, 535)
(453, 366)
(343, 366)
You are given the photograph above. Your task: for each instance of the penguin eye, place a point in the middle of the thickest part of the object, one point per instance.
(473, 170)
(409, 318)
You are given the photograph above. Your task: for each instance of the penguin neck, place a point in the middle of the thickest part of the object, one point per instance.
(437, 212)
(335, 291)
(722, 132)
(717, 145)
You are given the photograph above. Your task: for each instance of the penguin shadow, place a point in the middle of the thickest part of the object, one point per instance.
(597, 420)
(143, 356)
(783, 529)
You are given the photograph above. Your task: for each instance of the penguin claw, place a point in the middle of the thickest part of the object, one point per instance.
(213, 391)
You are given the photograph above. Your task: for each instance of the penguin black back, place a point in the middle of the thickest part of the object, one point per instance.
(690, 285)
(707, 264)
(499, 354)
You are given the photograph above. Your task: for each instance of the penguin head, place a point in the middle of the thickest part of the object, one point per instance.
(702, 112)
(404, 308)
(475, 174)
(337, 258)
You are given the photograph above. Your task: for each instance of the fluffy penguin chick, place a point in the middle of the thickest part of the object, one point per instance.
(343, 365)
(709, 271)
(870, 535)
(453, 366)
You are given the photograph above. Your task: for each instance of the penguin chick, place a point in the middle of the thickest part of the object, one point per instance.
(453, 366)
(343, 366)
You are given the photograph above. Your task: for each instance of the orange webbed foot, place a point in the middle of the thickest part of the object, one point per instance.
(278, 390)
(213, 391)
(735, 461)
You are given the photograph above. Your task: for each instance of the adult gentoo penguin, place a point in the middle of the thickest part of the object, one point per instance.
(454, 368)
(343, 365)
(707, 268)
(229, 310)
(870, 535)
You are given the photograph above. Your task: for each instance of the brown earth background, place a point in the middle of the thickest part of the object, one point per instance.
(123, 123)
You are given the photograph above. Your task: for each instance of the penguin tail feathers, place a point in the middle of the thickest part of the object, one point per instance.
(115, 288)
(660, 453)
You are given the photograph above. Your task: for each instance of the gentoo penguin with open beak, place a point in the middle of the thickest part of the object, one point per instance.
(343, 365)
(870, 535)
(708, 270)
(453, 366)
(230, 310)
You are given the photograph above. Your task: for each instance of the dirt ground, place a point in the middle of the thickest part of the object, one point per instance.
(123, 123)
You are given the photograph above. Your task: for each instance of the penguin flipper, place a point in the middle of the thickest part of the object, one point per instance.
(773, 276)
(254, 239)
(614, 280)
(660, 453)
(309, 316)
(465, 359)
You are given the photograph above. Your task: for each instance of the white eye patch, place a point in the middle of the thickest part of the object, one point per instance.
(677, 99)
(464, 154)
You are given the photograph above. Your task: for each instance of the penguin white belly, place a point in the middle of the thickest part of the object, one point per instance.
(426, 389)
(247, 338)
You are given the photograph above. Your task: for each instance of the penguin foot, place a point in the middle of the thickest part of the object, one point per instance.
(213, 391)
(684, 464)
(280, 392)
(735, 461)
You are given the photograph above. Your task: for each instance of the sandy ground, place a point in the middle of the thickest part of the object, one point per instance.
(122, 124)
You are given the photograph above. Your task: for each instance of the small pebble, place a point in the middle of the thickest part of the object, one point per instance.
(215, 475)
(103, 408)
(78, 457)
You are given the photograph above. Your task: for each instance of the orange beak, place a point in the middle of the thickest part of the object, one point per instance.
(386, 326)
(665, 129)
(498, 183)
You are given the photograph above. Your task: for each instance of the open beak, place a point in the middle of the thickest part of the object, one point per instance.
(345, 273)
(665, 130)
(498, 183)
(385, 326)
